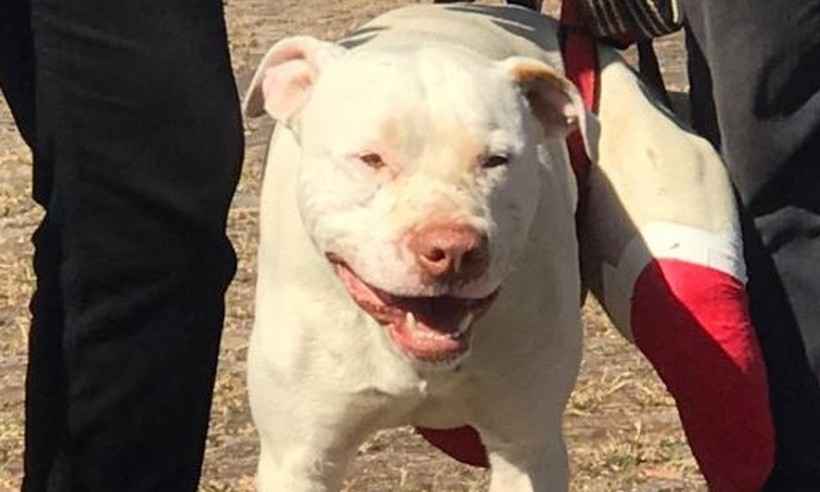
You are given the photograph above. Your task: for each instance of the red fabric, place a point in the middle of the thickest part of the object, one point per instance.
(580, 55)
(461, 443)
(692, 323)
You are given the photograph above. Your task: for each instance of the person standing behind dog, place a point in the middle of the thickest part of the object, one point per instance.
(754, 72)
(132, 115)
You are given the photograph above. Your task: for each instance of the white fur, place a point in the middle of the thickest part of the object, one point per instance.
(322, 374)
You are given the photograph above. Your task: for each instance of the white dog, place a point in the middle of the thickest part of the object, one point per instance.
(418, 261)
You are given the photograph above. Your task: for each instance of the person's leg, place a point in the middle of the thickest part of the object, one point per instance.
(138, 148)
(702, 105)
(17, 63)
(760, 68)
(45, 395)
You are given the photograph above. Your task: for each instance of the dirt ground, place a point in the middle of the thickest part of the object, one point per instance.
(621, 426)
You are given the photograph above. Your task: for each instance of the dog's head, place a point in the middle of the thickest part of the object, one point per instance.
(421, 173)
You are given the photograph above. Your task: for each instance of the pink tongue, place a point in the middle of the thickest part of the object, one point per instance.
(427, 342)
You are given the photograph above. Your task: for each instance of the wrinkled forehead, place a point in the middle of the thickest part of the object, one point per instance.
(402, 98)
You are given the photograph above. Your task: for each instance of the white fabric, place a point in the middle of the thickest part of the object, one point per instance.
(722, 251)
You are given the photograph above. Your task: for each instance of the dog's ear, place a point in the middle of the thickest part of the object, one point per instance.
(286, 75)
(554, 100)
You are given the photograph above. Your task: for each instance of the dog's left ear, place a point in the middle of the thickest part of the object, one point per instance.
(554, 100)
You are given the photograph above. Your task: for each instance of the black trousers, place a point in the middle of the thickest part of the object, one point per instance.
(755, 93)
(132, 114)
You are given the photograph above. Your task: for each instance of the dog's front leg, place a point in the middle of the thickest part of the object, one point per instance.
(309, 447)
(527, 469)
(524, 444)
(308, 434)
(302, 467)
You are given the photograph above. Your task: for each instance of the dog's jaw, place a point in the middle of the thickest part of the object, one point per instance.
(433, 333)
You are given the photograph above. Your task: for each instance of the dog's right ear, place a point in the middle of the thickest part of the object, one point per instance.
(286, 75)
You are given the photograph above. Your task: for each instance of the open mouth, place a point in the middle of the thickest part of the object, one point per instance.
(434, 330)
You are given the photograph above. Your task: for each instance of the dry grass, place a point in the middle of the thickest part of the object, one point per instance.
(621, 425)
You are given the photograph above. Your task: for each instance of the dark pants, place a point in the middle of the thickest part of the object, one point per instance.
(132, 114)
(755, 92)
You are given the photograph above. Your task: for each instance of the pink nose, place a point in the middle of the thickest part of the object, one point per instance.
(449, 252)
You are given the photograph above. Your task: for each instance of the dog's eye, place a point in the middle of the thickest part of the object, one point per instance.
(372, 160)
(495, 161)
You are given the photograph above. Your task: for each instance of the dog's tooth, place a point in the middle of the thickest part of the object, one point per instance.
(410, 321)
(465, 323)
